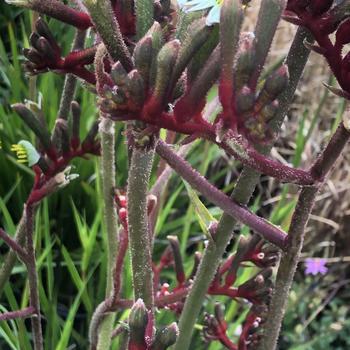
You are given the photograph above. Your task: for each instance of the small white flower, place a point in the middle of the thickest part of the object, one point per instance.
(197, 5)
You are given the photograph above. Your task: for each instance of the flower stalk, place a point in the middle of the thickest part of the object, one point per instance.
(296, 236)
(110, 221)
(138, 226)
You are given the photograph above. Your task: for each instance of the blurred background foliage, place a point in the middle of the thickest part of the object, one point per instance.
(70, 236)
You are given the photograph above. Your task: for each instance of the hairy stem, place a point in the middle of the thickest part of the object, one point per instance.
(24, 313)
(297, 58)
(33, 280)
(11, 257)
(229, 206)
(139, 235)
(296, 236)
(110, 221)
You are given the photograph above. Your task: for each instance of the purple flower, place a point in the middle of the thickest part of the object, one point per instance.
(315, 266)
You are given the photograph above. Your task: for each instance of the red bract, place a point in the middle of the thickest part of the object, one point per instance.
(323, 19)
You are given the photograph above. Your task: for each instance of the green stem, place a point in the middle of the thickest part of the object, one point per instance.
(297, 58)
(110, 220)
(33, 280)
(139, 235)
(296, 236)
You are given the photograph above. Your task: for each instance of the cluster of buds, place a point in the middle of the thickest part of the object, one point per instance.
(324, 18)
(254, 112)
(215, 329)
(257, 290)
(142, 333)
(158, 82)
(45, 54)
(55, 150)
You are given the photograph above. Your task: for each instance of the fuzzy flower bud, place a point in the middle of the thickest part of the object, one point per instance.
(165, 337)
(118, 74)
(138, 320)
(273, 87)
(143, 55)
(245, 100)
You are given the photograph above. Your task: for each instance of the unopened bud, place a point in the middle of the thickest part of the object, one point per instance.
(342, 36)
(46, 49)
(245, 100)
(75, 109)
(274, 86)
(179, 268)
(39, 129)
(143, 54)
(43, 30)
(198, 34)
(197, 260)
(269, 111)
(245, 64)
(219, 312)
(118, 95)
(165, 337)
(33, 55)
(136, 88)
(277, 82)
(89, 140)
(165, 63)
(156, 33)
(138, 320)
(118, 74)
(33, 40)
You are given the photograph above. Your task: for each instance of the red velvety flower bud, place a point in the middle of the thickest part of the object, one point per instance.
(342, 36)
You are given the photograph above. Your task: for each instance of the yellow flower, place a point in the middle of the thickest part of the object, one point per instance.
(21, 153)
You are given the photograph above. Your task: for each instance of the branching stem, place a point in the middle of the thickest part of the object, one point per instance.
(296, 236)
(297, 58)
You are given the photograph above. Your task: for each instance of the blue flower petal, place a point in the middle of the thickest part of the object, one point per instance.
(213, 16)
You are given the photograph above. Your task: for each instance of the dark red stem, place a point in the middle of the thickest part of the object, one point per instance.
(237, 211)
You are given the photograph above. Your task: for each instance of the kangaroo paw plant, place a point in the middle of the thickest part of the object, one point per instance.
(151, 65)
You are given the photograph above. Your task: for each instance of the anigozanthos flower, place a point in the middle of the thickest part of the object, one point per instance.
(26, 153)
(214, 6)
(197, 5)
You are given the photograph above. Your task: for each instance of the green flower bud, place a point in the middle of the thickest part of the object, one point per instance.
(118, 74)
(143, 55)
(245, 100)
(138, 320)
(166, 337)
(136, 88)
